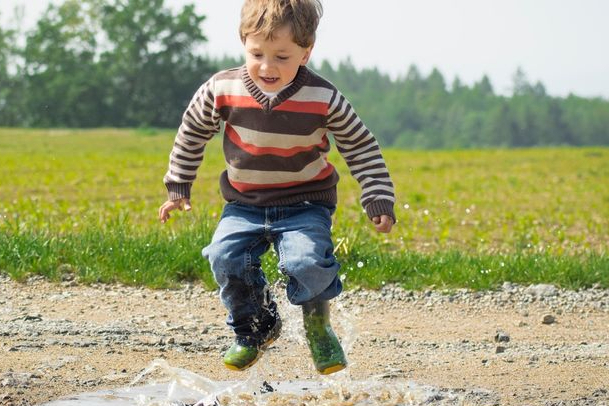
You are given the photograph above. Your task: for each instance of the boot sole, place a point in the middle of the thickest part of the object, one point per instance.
(332, 369)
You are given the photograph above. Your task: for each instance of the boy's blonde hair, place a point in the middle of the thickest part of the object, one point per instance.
(267, 16)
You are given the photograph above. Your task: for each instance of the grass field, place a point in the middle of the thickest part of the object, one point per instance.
(83, 204)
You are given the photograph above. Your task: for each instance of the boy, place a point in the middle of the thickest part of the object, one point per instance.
(278, 184)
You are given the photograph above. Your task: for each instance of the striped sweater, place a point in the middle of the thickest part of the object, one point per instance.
(276, 148)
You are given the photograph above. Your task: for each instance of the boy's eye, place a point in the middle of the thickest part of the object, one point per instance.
(283, 58)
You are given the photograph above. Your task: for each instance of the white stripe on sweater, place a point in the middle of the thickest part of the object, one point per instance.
(275, 177)
(275, 140)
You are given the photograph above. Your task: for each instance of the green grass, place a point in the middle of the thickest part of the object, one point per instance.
(85, 203)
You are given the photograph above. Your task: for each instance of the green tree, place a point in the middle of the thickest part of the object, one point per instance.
(9, 80)
(520, 83)
(63, 85)
(112, 63)
(499, 126)
(152, 61)
(6, 39)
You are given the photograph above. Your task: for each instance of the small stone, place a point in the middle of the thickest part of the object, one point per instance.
(542, 290)
(266, 387)
(500, 349)
(502, 337)
(548, 319)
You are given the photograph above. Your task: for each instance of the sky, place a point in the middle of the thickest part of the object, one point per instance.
(562, 43)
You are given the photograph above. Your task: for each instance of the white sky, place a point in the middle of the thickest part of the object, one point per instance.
(562, 43)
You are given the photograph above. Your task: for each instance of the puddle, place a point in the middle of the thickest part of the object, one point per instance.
(187, 388)
(164, 385)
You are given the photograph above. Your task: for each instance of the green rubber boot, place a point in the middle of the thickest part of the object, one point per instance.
(245, 351)
(328, 355)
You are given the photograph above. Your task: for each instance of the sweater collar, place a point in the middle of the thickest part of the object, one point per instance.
(270, 103)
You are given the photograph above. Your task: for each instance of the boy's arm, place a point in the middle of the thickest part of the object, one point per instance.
(362, 154)
(200, 122)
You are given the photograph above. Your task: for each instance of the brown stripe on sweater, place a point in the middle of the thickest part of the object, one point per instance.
(185, 158)
(353, 124)
(364, 148)
(240, 159)
(183, 176)
(342, 111)
(374, 183)
(323, 190)
(357, 162)
(364, 140)
(380, 165)
(177, 148)
(279, 121)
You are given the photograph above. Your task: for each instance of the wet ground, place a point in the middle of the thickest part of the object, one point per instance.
(518, 345)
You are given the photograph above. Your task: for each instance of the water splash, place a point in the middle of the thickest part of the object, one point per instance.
(181, 387)
(188, 389)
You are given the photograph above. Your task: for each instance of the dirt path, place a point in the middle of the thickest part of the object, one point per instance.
(493, 347)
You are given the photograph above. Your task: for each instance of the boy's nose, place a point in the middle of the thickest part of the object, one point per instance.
(265, 65)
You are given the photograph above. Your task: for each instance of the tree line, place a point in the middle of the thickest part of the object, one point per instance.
(136, 63)
(418, 111)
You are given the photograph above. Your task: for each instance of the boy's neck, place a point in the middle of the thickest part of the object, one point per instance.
(270, 95)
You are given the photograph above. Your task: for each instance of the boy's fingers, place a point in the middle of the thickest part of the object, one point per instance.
(168, 206)
(164, 211)
(383, 223)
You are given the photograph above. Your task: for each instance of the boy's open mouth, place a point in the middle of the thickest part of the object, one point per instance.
(269, 81)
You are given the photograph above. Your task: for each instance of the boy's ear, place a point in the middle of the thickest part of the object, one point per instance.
(306, 56)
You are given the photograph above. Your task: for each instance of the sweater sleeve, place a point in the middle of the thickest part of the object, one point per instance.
(362, 154)
(200, 122)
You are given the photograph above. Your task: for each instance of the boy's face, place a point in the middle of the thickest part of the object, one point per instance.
(273, 64)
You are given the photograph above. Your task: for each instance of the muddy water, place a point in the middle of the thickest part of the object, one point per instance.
(164, 385)
(186, 388)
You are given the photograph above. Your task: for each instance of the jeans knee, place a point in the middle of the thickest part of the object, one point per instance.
(313, 259)
(296, 266)
(223, 262)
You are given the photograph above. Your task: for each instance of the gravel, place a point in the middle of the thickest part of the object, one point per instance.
(49, 332)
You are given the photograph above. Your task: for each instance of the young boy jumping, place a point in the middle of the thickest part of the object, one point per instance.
(279, 186)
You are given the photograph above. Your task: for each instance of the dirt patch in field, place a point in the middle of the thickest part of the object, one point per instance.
(518, 345)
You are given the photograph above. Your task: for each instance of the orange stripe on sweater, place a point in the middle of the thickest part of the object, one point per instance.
(288, 105)
(283, 152)
(246, 187)
(237, 101)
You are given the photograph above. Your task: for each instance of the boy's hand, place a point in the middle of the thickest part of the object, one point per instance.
(383, 223)
(169, 205)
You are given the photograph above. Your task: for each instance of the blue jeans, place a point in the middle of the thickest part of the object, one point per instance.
(301, 237)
